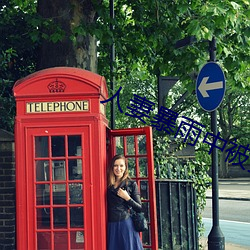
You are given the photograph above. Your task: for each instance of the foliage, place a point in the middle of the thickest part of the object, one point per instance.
(146, 33)
(192, 169)
(234, 123)
(17, 55)
(6, 98)
(233, 120)
(145, 36)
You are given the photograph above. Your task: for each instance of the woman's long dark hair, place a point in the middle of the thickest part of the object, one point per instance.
(111, 175)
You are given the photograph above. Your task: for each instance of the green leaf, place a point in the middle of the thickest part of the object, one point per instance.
(194, 28)
(235, 5)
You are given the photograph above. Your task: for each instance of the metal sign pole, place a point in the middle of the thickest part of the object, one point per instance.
(216, 240)
(112, 61)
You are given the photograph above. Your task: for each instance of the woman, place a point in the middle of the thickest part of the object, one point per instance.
(122, 195)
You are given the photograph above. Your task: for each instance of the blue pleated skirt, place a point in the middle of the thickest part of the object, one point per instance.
(122, 236)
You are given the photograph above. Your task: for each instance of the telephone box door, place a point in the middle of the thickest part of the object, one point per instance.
(137, 146)
(59, 188)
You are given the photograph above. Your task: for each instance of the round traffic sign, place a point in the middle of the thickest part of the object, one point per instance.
(210, 86)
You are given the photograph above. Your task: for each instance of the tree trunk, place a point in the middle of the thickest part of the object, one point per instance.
(223, 166)
(75, 49)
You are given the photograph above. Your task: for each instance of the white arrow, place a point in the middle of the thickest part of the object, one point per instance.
(204, 86)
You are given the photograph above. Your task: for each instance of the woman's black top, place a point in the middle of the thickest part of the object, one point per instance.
(118, 208)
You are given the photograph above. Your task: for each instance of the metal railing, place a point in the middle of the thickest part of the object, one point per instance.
(176, 211)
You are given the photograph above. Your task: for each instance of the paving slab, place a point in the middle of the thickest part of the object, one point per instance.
(231, 194)
(228, 246)
(242, 192)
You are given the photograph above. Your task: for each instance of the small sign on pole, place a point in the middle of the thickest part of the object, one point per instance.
(210, 86)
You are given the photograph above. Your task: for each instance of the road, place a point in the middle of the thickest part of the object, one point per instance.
(232, 210)
(234, 213)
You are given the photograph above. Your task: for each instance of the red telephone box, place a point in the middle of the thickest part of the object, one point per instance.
(62, 146)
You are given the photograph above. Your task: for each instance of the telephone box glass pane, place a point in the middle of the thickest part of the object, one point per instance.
(131, 167)
(75, 193)
(58, 146)
(43, 218)
(119, 145)
(142, 144)
(74, 145)
(43, 241)
(42, 170)
(146, 210)
(59, 194)
(61, 240)
(144, 190)
(75, 169)
(76, 216)
(41, 194)
(58, 171)
(143, 165)
(146, 237)
(41, 146)
(60, 217)
(77, 240)
(130, 145)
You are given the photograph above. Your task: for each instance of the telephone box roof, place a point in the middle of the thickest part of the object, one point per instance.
(91, 81)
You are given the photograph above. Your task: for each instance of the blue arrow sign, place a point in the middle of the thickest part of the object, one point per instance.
(210, 86)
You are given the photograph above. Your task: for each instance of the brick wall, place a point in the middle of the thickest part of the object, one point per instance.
(7, 191)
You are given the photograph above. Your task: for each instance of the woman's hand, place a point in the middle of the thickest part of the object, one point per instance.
(123, 194)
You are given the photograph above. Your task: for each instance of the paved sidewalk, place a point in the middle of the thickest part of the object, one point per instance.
(232, 194)
(228, 246)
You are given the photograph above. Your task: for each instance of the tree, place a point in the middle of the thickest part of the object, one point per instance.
(17, 54)
(156, 26)
(234, 117)
(68, 40)
(233, 122)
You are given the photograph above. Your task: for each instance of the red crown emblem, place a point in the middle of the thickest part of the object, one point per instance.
(56, 86)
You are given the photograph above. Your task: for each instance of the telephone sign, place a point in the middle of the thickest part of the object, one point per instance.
(65, 106)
